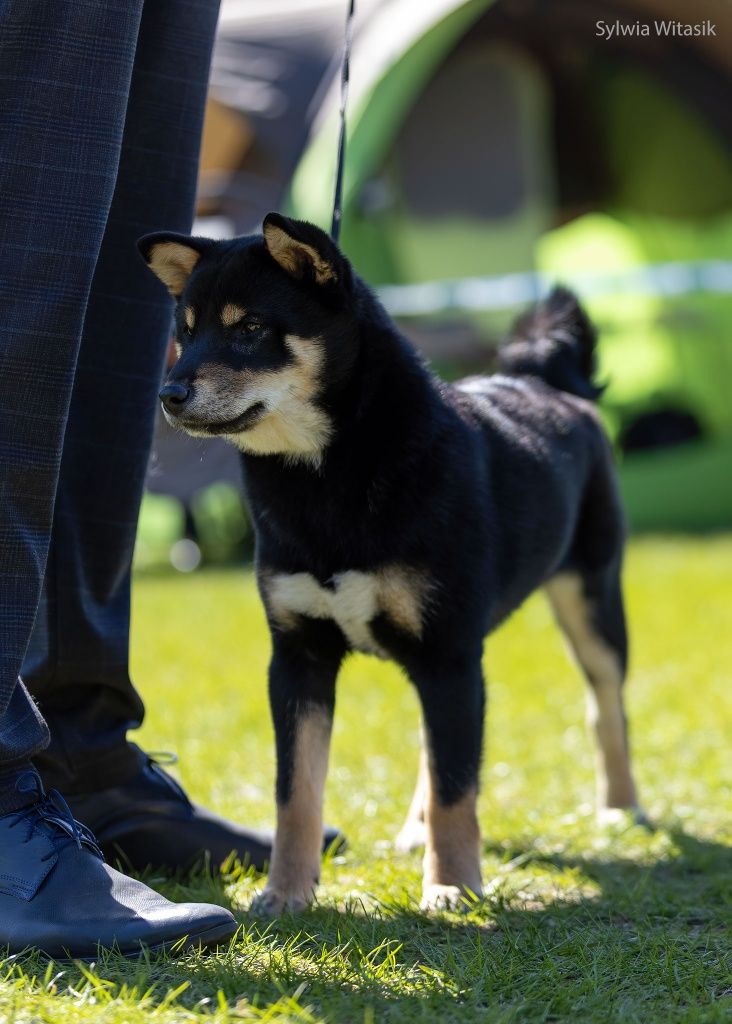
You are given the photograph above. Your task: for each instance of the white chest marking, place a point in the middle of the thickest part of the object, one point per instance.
(354, 600)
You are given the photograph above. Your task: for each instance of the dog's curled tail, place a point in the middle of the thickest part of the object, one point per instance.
(555, 341)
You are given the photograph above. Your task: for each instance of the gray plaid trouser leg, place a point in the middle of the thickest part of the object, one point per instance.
(100, 115)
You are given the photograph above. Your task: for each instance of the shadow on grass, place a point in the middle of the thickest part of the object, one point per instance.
(630, 940)
(696, 870)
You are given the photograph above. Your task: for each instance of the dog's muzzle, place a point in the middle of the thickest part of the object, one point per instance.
(177, 399)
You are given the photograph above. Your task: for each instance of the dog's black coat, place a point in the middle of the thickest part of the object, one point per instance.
(491, 486)
(493, 492)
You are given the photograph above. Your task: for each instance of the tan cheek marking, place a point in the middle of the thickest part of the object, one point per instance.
(232, 314)
(173, 263)
(295, 426)
(309, 356)
(296, 856)
(189, 315)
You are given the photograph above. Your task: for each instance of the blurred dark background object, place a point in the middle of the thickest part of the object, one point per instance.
(493, 148)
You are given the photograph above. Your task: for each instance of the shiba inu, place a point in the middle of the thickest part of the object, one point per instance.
(398, 515)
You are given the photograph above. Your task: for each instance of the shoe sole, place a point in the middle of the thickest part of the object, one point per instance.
(211, 938)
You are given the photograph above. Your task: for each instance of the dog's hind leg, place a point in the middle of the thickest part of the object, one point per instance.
(589, 609)
(413, 833)
(451, 692)
(302, 695)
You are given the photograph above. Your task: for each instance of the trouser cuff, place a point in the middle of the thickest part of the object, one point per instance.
(11, 797)
(101, 770)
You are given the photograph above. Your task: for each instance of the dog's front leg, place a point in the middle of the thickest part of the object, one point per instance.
(302, 696)
(452, 696)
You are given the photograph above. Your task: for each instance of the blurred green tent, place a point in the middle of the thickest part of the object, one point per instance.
(494, 147)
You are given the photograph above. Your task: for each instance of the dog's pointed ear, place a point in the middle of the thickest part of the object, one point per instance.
(302, 250)
(172, 257)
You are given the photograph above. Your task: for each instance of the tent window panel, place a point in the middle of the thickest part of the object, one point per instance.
(459, 152)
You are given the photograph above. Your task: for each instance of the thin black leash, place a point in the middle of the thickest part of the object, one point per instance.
(335, 227)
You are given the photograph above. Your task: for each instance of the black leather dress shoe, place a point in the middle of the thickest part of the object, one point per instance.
(57, 894)
(150, 822)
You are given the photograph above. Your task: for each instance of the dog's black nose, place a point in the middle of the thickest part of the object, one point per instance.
(174, 397)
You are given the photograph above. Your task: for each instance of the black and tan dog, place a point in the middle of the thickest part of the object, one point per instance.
(397, 515)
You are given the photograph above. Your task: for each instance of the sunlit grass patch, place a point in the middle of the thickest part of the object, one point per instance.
(580, 922)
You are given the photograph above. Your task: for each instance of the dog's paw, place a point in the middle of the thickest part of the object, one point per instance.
(412, 836)
(272, 902)
(623, 817)
(446, 897)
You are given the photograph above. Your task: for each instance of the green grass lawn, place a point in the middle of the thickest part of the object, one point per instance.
(582, 923)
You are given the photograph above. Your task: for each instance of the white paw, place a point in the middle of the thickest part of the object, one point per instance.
(446, 897)
(413, 836)
(272, 902)
(623, 816)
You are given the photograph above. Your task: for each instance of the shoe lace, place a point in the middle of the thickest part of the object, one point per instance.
(156, 760)
(52, 808)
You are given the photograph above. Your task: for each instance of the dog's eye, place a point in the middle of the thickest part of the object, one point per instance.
(251, 327)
